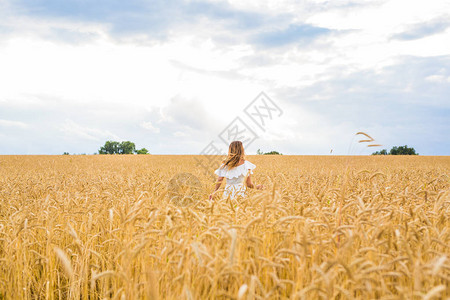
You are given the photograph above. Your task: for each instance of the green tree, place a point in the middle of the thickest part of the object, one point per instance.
(142, 151)
(397, 150)
(127, 147)
(110, 147)
(259, 152)
(273, 153)
(382, 152)
(403, 150)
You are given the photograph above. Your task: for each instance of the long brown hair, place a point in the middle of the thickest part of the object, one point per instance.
(235, 154)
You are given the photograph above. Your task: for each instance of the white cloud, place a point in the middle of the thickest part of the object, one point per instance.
(74, 130)
(101, 70)
(149, 126)
(437, 78)
(180, 134)
(9, 123)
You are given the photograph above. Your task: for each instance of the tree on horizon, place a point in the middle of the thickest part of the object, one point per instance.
(397, 150)
(124, 147)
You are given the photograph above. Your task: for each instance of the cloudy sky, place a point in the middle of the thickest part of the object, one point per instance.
(170, 75)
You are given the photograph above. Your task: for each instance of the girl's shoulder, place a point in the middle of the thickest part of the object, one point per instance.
(249, 165)
(236, 171)
(246, 164)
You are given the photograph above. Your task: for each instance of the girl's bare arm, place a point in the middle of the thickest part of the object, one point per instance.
(251, 185)
(218, 184)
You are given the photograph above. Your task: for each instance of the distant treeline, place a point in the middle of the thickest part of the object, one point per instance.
(259, 152)
(400, 150)
(126, 147)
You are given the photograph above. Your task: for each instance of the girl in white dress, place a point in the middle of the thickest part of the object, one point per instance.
(237, 172)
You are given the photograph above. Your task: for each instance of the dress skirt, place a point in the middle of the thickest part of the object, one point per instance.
(234, 190)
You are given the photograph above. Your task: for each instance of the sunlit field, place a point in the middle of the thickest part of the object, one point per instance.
(324, 227)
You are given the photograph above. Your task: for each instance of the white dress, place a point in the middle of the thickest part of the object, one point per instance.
(235, 178)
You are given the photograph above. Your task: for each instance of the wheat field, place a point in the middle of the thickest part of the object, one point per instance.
(324, 227)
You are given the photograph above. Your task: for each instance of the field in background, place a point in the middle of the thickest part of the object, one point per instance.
(94, 227)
